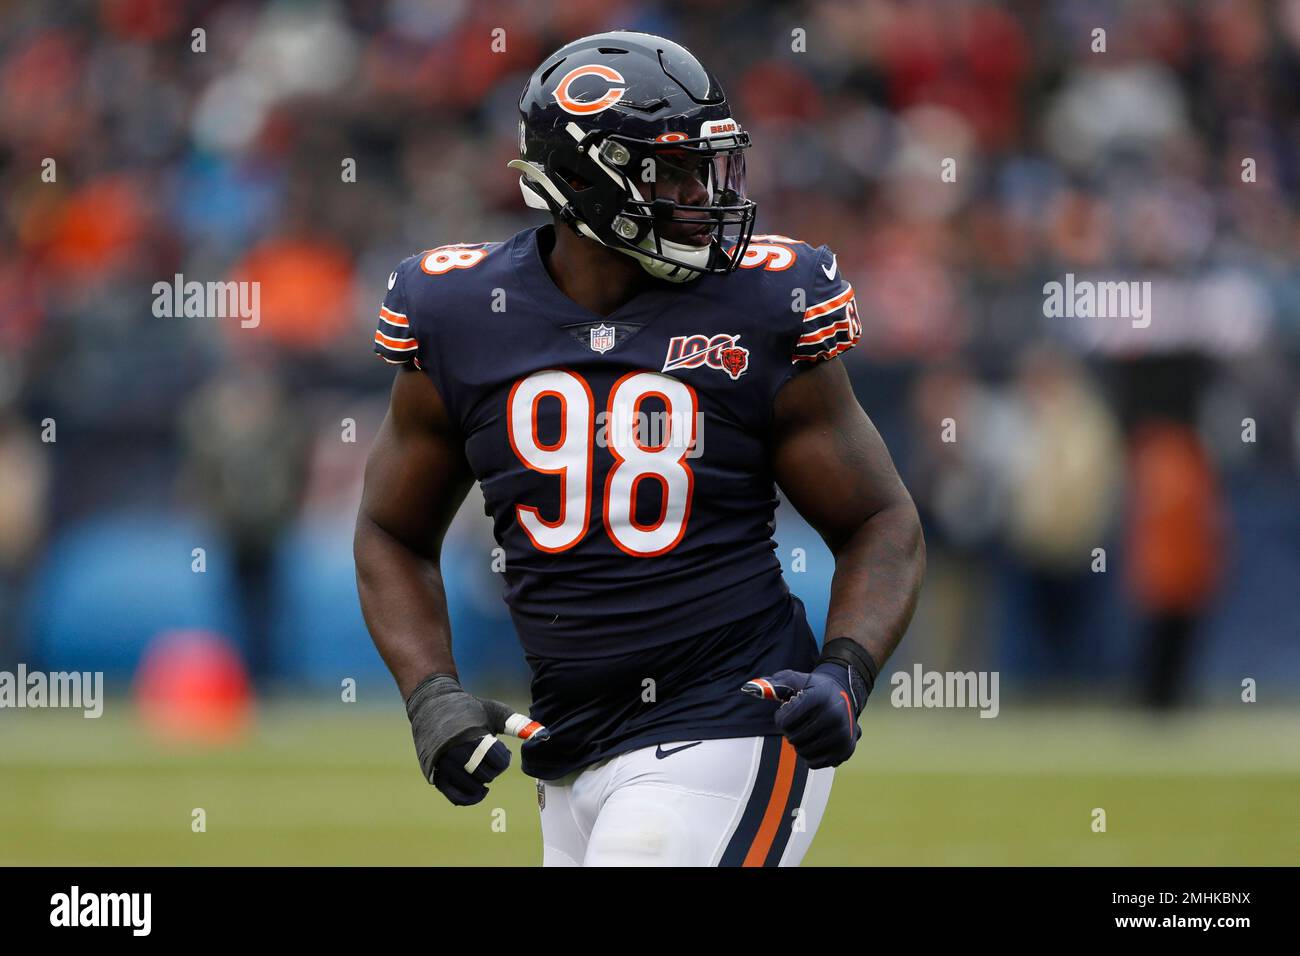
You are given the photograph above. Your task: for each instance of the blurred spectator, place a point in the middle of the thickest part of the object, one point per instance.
(962, 433)
(1175, 544)
(24, 487)
(244, 460)
(1064, 478)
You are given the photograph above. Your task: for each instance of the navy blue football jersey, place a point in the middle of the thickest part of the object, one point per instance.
(624, 460)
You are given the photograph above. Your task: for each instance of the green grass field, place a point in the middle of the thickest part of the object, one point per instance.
(340, 786)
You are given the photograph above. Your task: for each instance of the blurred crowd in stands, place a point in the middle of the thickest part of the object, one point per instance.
(1118, 509)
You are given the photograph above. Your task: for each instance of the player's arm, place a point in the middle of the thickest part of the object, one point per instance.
(416, 478)
(834, 468)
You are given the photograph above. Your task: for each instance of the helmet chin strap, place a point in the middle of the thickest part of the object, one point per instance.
(668, 271)
(679, 252)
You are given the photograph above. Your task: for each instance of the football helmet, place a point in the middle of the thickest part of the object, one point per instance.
(608, 123)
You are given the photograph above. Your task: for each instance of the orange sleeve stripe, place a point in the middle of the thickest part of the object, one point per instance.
(812, 338)
(397, 345)
(775, 811)
(830, 305)
(842, 347)
(395, 318)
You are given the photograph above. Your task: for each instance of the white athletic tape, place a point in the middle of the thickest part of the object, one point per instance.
(517, 722)
(479, 753)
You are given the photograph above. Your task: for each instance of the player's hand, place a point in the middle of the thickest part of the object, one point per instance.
(455, 738)
(819, 710)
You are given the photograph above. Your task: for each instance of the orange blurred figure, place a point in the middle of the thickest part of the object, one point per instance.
(306, 293)
(98, 228)
(1176, 539)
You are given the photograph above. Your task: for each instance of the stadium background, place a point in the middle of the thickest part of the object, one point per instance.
(1120, 690)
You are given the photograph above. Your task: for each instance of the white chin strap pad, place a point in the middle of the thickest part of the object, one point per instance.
(533, 174)
(531, 199)
(697, 256)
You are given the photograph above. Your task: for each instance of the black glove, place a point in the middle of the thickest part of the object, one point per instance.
(819, 710)
(454, 737)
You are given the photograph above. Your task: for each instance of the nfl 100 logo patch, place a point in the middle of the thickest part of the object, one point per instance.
(720, 351)
(602, 338)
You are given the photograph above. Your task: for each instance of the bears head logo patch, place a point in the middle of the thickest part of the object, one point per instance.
(735, 360)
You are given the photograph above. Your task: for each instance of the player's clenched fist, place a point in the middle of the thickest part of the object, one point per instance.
(819, 713)
(454, 737)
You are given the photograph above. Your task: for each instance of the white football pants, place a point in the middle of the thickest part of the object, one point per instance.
(740, 801)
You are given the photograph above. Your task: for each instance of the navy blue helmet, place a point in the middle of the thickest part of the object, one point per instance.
(606, 122)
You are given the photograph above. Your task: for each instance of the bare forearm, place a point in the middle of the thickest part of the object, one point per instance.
(878, 573)
(404, 605)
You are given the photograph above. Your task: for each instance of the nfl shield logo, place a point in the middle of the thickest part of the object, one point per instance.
(602, 338)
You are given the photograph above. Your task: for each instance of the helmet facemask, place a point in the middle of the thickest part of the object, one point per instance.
(677, 240)
(623, 205)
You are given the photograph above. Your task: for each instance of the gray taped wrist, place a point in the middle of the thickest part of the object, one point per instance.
(435, 685)
(442, 714)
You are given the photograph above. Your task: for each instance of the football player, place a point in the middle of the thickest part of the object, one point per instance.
(629, 384)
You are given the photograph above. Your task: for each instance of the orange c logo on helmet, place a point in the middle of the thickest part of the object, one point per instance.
(579, 108)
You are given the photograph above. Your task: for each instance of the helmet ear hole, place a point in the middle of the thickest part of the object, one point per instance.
(576, 182)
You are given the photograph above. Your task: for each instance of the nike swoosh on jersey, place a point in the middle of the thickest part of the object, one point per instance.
(660, 753)
(830, 273)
